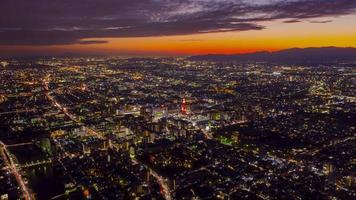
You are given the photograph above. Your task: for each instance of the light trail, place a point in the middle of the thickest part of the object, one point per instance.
(166, 191)
(67, 113)
(164, 185)
(11, 165)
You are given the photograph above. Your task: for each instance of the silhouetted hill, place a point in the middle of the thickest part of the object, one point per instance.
(295, 55)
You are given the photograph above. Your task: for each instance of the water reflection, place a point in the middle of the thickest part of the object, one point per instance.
(44, 180)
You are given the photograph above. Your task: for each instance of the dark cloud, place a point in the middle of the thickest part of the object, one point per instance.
(320, 22)
(50, 22)
(93, 42)
(292, 21)
(191, 40)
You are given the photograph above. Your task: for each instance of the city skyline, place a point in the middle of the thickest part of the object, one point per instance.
(173, 28)
(177, 99)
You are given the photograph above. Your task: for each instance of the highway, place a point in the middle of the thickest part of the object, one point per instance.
(11, 165)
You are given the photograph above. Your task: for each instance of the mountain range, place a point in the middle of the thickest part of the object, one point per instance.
(294, 55)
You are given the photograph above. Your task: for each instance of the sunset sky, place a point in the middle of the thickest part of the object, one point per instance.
(172, 27)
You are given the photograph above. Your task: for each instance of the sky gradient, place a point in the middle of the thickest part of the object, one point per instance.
(172, 27)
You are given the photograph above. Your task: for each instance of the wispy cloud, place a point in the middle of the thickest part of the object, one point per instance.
(44, 22)
(292, 21)
(320, 21)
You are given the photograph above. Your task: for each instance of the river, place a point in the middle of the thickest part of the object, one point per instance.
(45, 181)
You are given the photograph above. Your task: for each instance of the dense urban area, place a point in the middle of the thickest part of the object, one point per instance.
(173, 128)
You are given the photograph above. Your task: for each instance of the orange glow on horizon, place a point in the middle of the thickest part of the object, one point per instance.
(276, 36)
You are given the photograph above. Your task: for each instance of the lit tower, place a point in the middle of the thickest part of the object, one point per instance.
(183, 107)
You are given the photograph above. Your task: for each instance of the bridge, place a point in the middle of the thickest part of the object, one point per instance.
(66, 193)
(9, 162)
(19, 144)
(36, 163)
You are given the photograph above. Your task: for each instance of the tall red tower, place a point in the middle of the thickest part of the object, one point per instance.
(183, 107)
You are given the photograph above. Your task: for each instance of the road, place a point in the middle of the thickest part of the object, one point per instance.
(162, 181)
(71, 116)
(19, 144)
(12, 166)
(18, 111)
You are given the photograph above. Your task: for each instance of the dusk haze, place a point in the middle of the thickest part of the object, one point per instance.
(177, 99)
(173, 27)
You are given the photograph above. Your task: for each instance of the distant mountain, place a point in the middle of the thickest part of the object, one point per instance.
(295, 55)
